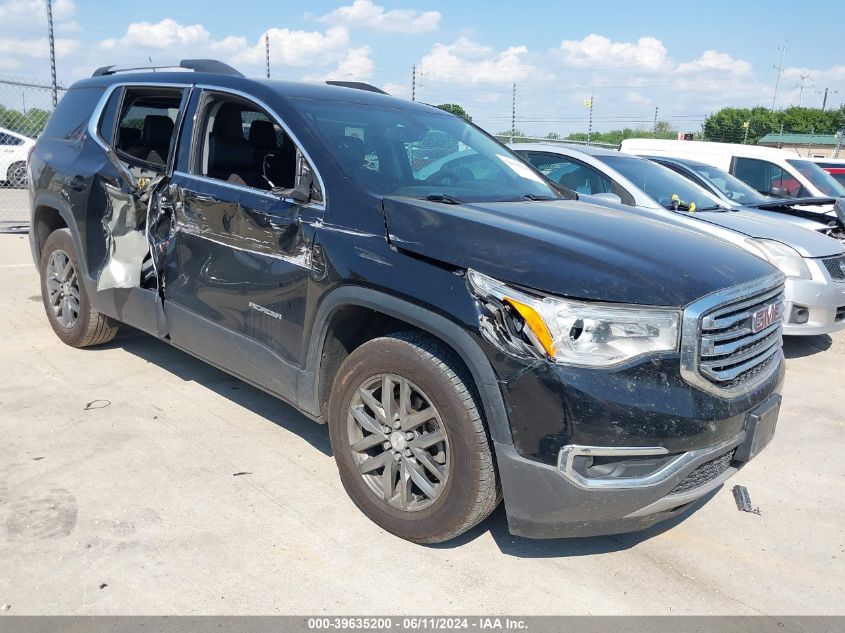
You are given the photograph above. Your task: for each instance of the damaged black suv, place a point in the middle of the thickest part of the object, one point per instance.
(468, 331)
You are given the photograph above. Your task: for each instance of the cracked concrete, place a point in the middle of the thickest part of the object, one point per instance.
(139, 496)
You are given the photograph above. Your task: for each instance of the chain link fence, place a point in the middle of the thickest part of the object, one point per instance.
(25, 106)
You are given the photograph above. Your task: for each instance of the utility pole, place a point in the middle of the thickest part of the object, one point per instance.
(838, 142)
(654, 129)
(779, 68)
(810, 144)
(589, 103)
(780, 140)
(803, 77)
(825, 91)
(414, 82)
(513, 112)
(267, 51)
(52, 52)
(746, 125)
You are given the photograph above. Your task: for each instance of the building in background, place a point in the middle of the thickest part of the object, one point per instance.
(806, 145)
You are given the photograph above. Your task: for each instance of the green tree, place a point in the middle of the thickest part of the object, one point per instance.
(30, 123)
(615, 137)
(728, 124)
(454, 108)
(553, 136)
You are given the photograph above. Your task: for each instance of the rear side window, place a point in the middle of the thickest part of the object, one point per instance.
(147, 124)
(8, 139)
(70, 119)
(105, 128)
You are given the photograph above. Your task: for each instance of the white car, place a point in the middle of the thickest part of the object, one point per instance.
(14, 150)
(814, 264)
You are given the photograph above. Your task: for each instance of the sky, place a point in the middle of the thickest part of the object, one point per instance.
(685, 59)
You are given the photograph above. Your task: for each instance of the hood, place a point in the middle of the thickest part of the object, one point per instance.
(572, 249)
(754, 224)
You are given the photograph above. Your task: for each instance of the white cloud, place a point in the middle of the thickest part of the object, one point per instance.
(169, 34)
(28, 12)
(355, 66)
(367, 14)
(397, 89)
(714, 61)
(299, 48)
(637, 98)
(597, 51)
(468, 61)
(37, 47)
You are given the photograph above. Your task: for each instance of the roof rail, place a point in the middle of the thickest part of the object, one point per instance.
(197, 65)
(358, 85)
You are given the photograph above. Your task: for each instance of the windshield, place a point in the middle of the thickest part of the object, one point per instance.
(408, 152)
(822, 180)
(731, 186)
(661, 184)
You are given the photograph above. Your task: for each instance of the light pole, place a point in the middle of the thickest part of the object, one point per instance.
(52, 52)
(779, 68)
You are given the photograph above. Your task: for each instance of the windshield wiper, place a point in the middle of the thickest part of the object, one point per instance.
(445, 198)
(534, 196)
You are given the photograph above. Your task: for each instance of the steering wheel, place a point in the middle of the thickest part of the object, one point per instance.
(446, 175)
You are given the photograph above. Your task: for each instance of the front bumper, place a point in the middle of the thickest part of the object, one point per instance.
(545, 501)
(821, 300)
(551, 499)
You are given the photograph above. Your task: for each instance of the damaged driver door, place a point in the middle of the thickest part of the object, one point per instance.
(238, 262)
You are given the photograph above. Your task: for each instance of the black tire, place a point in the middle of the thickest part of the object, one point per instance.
(16, 175)
(471, 490)
(89, 327)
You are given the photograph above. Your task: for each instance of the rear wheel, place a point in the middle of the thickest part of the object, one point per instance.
(16, 175)
(408, 438)
(68, 309)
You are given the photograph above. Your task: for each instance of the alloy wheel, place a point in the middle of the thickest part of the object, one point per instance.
(398, 442)
(63, 289)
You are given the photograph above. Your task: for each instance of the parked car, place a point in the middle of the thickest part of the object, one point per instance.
(813, 264)
(835, 167)
(465, 335)
(14, 149)
(771, 171)
(737, 195)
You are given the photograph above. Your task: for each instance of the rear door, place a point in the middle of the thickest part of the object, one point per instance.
(238, 263)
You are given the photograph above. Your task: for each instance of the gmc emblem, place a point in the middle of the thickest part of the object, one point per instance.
(766, 316)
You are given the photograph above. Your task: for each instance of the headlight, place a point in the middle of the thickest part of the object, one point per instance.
(581, 333)
(784, 257)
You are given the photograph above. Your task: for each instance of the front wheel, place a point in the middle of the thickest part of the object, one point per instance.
(69, 311)
(16, 175)
(409, 441)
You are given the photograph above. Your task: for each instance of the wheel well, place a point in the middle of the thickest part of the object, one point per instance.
(45, 220)
(350, 327)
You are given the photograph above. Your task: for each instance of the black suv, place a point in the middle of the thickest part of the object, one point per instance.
(468, 333)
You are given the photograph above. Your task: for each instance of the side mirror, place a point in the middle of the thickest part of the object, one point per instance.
(609, 197)
(778, 192)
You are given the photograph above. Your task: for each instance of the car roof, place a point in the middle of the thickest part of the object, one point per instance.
(247, 85)
(552, 147)
(687, 162)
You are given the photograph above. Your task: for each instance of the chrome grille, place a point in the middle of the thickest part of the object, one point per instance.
(835, 266)
(720, 351)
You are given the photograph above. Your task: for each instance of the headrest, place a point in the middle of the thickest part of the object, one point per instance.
(262, 134)
(350, 151)
(229, 155)
(227, 121)
(157, 130)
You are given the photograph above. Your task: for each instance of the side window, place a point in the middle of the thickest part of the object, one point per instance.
(105, 127)
(570, 173)
(765, 176)
(8, 139)
(146, 126)
(71, 117)
(240, 144)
